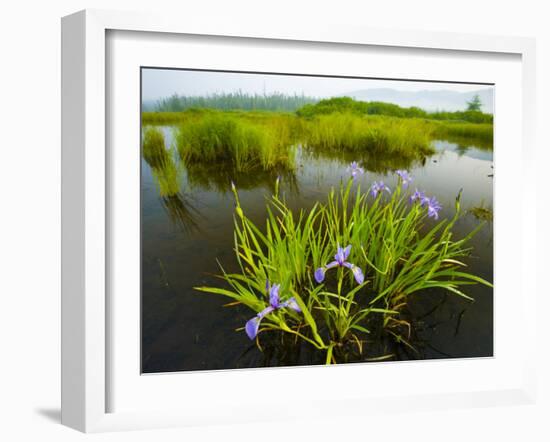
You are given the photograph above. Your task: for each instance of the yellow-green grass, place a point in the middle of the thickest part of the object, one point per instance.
(241, 142)
(167, 178)
(163, 167)
(449, 129)
(163, 117)
(349, 132)
(260, 140)
(154, 150)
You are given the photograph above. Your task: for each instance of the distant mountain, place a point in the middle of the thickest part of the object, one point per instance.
(430, 100)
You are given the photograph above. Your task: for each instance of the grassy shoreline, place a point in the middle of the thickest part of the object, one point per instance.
(264, 141)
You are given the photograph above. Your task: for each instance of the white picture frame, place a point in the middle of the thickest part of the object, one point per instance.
(86, 207)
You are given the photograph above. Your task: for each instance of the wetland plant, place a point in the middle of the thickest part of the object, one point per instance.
(355, 170)
(153, 148)
(246, 145)
(409, 138)
(396, 247)
(482, 132)
(164, 169)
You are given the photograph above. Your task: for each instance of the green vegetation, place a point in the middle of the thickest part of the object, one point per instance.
(153, 148)
(474, 117)
(167, 178)
(163, 167)
(482, 213)
(238, 142)
(260, 140)
(405, 138)
(390, 241)
(349, 105)
(163, 117)
(231, 101)
(452, 130)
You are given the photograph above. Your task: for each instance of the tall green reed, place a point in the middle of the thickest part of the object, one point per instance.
(372, 134)
(449, 130)
(219, 137)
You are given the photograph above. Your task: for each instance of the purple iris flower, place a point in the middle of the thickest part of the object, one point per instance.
(433, 207)
(417, 196)
(355, 170)
(406, 179)
(340, 260)
(377, 187)
(252, 326)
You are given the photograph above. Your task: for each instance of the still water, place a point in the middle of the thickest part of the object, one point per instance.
(184, 237)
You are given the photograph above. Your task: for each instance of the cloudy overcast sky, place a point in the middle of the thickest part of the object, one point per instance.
(160, 83)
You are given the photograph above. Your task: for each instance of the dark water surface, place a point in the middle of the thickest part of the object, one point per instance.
(184, 236)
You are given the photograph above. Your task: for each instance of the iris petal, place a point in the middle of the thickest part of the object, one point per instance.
(292, 304)
(320, 274)
(252, 327)
(332, 264)
(266, 311)
(274, 295)
(347, 250)
(340, 255)
(357, 272)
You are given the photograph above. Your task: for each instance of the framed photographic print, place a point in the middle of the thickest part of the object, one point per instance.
(249, 215)
(339, 212)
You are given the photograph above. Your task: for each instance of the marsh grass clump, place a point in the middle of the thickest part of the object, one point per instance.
(153, 148)
(353, 133)
(246, 145)
(164, 169)
(482, 212)
(260, 140)
(465, 131)
(167, 178)
(346, 268)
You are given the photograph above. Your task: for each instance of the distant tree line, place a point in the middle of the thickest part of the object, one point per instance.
(347, 104)
(235, 101)
(305, 106)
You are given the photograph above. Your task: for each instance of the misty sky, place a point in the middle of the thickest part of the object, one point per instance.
(160, 83)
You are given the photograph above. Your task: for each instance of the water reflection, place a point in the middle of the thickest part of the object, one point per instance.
(377, 163)
(167, 174)
(182, 212)
(218, 177)
(464, 147)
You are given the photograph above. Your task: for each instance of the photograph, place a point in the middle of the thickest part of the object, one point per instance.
(300, 219)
